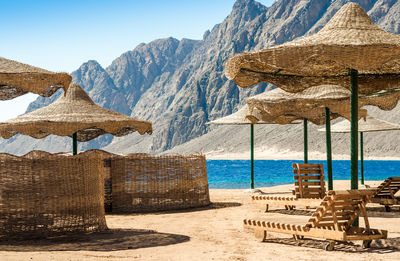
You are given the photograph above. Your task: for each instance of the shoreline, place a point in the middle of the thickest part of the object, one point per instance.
(285, 155)
(289, 186)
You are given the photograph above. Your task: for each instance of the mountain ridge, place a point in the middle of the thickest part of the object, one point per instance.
(180, 85)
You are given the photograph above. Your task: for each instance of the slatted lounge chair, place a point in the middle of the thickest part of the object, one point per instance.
(386, 192)
(309, 188)
(332, 220)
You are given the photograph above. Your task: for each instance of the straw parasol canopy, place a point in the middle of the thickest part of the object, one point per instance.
(370, 124)
(349, 40)
(243, 117)
(311, 103)
(72, 113)
(17, 79)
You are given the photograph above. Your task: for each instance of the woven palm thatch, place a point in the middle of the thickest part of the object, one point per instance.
(370, 124)
(17, 79)
(145, 183)
(309, 104)
(43, 194)
(349, 40)
(73, 112)
(244, 117)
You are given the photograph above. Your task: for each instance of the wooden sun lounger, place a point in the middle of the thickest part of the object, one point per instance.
(309, 188)
(332, 220)
(386, 192)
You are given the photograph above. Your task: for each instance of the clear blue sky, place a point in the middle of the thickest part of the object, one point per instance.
(60, 35)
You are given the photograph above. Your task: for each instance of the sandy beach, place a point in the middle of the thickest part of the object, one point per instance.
(210, 233)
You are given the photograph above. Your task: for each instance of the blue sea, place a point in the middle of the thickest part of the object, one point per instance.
(235, 174)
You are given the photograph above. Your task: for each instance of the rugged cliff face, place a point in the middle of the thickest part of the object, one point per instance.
(180, 85)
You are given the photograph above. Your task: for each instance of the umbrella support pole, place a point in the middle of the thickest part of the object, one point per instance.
(354, 128)
(354, 131)
(305, 140)
(252, 155)
(74, 144)
(328, 147)
(362, 157)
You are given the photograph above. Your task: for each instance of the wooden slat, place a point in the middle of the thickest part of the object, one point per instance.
(362, 205)
(346, 207)
(340, 213)
(307, 171)
(356, 193)
(329, 220)
(312, 189)
(308, 165)
(309, 183)
(307, 193)
(348, 202)
(307, 175)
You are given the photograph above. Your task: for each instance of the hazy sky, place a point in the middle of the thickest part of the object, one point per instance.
(61, 35)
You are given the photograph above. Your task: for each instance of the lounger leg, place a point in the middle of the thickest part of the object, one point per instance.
(261, 234)
(266, 208)
(366, 243)
(330, 246)
(387, 208)
(297, 237)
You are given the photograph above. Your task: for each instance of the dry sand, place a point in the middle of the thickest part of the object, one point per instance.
(211, 233)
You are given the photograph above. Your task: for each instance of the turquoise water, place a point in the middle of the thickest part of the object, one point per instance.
(236, 173)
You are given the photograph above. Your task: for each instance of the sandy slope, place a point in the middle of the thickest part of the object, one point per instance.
(212, 233)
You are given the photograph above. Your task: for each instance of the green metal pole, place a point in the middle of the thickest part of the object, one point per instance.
(252, 155)
(74, 144)
(354, 131)
(354, 127)
(362, 156)
(305, 141)
(328, 147)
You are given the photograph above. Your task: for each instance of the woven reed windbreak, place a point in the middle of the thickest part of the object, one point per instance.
(42, 194)
(145, 183)
(106, 159)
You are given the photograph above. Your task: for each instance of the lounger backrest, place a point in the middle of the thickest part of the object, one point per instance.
(388, 188)
(309, 180)
(339, 209)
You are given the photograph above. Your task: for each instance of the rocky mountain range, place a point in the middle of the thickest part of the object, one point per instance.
(180, 85)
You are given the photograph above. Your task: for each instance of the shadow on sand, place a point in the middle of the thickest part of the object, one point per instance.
(381, 246)
(212, 205)
(297, 212)
(110, 240)
(380, 211)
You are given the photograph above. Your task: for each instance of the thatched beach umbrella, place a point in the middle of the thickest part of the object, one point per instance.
(318, 104)
(17, 79)
(350, 50)
(370, 124)
(73, 114)
(244, 117)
